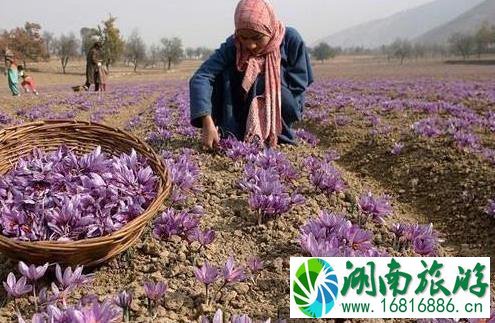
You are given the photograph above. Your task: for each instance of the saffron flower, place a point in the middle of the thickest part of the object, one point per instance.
(232, 273)
(376, 207)
(206, 275)
(16, 288)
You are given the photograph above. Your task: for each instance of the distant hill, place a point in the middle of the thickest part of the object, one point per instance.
(468, 22)
(406, 24)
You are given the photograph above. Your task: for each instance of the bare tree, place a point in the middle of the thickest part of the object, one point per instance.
(66, 47)
(198, 52)
(135, 49)
(48, 38)
(154, 55)
(462, 44)
(483, 38)
(204, 53)
(401, 49)
(172, 51)
(190, 53)
(419, 51)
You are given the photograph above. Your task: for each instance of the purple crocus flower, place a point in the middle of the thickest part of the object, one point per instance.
(331, 156)
(255, 264)
(422, 238)
(124, 299)
(466, 140)
(398, 229)
(490, 320)
(61, 196)
(105, 312)
(37, 318)
(397, 148)
(307, 137)
(184, 224)
(320, 247)
(184, 173)
(207, 274)
(425, 245)
(332, 235)
(5, 118)
(241, 319)
(268, 195)
(376, 207)
(16, 288)
(217, 318)
(231, 273)
(490, 208)
(430, 127)
(323, 175)
(238, 150)
(46, 298)
(155, 291)
(88, 300)
(276, 161)
(31, 272)
(206, 237)
(67, 315)
(69, 278)
(357, 240)
(341, 120)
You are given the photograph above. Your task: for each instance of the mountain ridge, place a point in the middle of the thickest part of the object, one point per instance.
(407, 24)
(467, 23)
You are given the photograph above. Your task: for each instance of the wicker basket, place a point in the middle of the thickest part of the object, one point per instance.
(82, 137)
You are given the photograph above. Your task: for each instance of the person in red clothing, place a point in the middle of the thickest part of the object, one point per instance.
(27, 81)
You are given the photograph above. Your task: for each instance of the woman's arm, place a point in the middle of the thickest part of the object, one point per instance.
(201, 84)
(297, 76)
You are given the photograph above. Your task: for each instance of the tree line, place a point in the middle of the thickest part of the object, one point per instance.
(29, 43)
(459, 44)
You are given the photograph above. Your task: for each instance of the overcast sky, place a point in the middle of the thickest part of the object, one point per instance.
(196, 22)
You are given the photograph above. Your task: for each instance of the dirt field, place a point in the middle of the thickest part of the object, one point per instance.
(430, 181)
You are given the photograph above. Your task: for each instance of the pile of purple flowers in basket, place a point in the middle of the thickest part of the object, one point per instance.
(62, 196)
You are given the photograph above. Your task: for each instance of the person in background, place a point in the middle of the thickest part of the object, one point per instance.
(12, 75)
(253, 86)
(94, 61)
(103, 74)
(27, 81)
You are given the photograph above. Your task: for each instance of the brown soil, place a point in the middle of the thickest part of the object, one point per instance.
(429, 182)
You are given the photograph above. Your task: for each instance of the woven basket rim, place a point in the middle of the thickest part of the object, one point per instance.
(121, 232)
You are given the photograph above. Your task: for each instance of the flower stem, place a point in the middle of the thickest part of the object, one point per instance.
(34, 294)
(219, 290)
(260, 217)
(126, 314)
(207, 298)
(15, 306)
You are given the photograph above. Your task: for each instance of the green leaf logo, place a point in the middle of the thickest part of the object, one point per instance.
(315, 288)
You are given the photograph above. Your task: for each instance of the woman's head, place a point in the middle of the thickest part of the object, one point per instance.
(255, 24)
(96, 41)
(252, 40)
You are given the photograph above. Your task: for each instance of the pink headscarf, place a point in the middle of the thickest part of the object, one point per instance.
(265, 113)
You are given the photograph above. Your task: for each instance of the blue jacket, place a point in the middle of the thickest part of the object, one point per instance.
(215, 88)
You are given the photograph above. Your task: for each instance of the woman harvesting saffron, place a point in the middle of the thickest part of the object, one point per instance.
(253, 86)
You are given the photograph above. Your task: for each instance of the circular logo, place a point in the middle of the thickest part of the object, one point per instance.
(315, 288)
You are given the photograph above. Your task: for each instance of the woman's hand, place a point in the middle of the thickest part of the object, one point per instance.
(210, 136)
